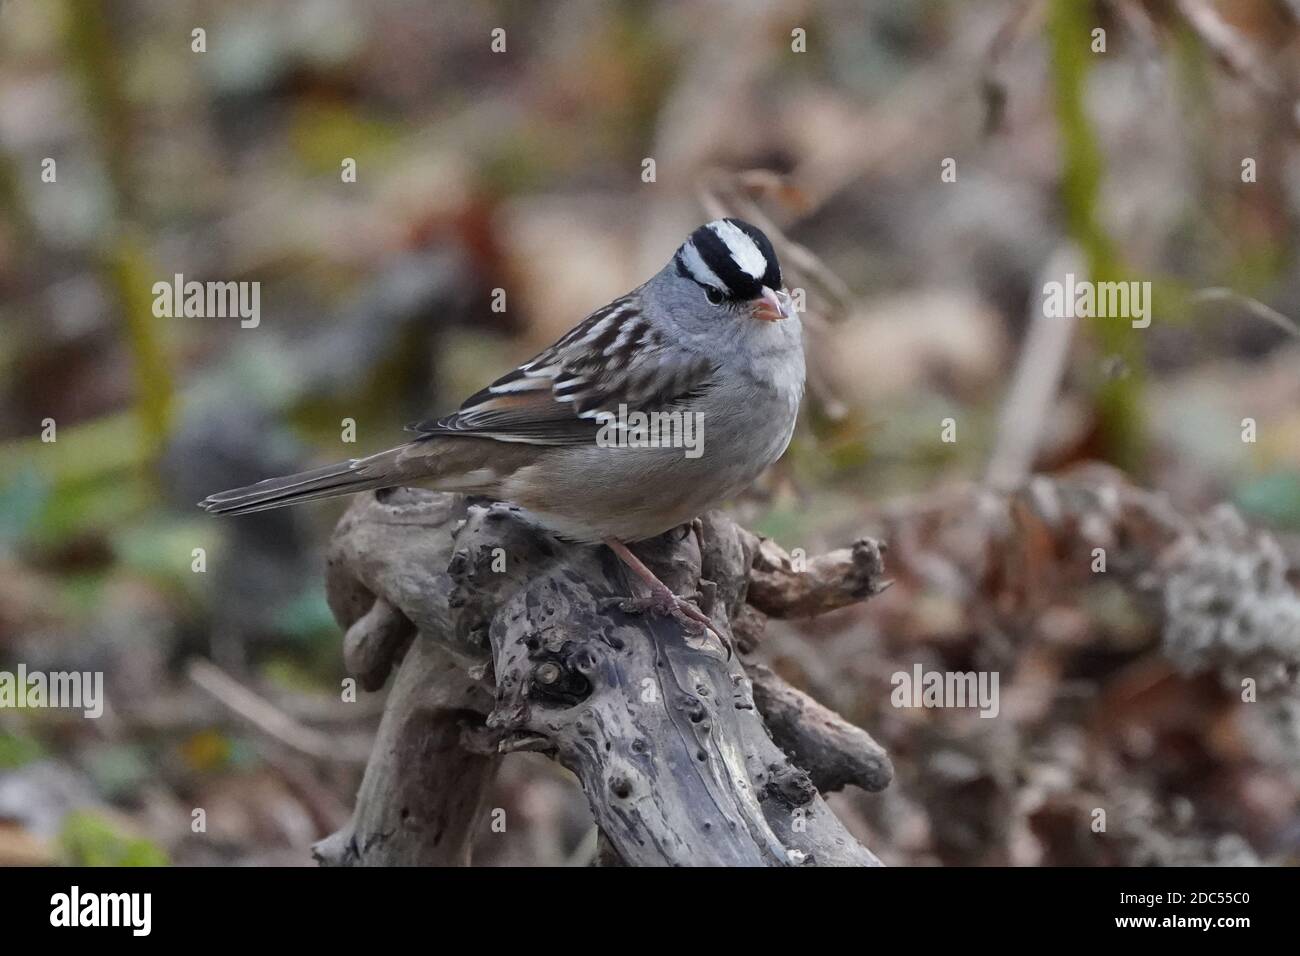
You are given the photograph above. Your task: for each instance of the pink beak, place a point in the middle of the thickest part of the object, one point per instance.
(772, 306)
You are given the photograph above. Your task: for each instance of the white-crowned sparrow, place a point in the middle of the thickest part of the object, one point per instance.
(712, 336)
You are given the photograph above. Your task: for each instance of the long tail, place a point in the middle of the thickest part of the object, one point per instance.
(343, 478)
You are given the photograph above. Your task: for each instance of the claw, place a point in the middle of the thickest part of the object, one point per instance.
(662, 600)
(667, 604)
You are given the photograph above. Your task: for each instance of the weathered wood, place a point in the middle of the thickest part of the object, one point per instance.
(828, 581)
(515, 640)
(832, 750)
(422, 795)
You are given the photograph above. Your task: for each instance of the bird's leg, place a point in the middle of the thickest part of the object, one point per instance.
(662, 600)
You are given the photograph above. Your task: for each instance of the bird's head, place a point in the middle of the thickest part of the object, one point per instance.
(735, 267)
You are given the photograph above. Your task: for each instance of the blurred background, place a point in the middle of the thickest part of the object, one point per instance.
(827, 122)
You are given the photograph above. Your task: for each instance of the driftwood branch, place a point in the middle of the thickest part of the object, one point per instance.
(832, 750)
(782, 587)
(506, 639)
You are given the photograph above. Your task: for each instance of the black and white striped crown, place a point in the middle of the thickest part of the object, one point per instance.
(731, 256)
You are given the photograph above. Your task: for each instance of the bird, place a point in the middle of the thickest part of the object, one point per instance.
(710, 348)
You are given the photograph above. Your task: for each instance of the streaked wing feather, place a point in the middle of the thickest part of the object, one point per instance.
(614, 357)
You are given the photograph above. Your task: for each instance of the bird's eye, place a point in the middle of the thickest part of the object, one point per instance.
(713, 295)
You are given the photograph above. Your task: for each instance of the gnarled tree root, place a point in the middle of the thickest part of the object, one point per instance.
(504, 638)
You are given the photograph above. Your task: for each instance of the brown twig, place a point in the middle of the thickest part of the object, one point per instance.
(1038, 375)
(272, 721)
(1253, 306)
(1227, 45)
(781, 586)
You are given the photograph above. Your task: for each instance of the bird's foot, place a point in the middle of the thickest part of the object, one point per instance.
(664, 603)
(661, 601)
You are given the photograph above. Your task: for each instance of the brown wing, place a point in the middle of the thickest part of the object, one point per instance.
(614, 357)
